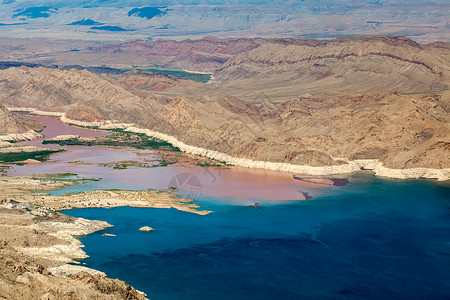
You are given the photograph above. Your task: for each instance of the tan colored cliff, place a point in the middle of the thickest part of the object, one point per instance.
(289, 68)
(387, 100)
(11, 129)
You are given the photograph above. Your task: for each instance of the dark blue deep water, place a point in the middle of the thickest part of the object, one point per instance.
(372, 239)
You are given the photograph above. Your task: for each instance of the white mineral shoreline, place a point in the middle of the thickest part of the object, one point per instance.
(351, 166)
(19, 137)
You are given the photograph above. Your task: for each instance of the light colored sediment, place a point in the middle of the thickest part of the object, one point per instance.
(4, 144)
(31, 162)
(64, 137)
(109, 234)
(36, 111)
(323, 181)
(16, 149)
(146, 228)
(197, 72)
(120, 164)
(20, 188)
(118, 198)
(23, 185)
(35, 246)
(107, 124)
(18, 137)
(71, 251)
(350, 166)
(56, 233)
(67, 270)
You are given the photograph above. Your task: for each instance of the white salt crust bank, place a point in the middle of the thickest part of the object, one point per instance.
(351, 166)
(19, 137)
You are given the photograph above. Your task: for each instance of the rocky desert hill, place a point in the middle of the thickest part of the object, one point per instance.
(202, 55)
(36, 245)
(13, 130)
(149, 84)
(56, 90)
(401, 131)
(365, 64)
(303, 102)
(9, 124)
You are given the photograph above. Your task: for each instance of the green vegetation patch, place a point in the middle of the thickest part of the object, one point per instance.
(212, 162)
(4, 169)
(65, 177)
(209, 164)
(203, 78)
(14, 157)
(120, 138)
(54, 175)
(23, 112)
(199, 77)
(165, 163)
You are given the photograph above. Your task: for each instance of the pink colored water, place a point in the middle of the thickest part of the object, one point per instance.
(234, 182)
(55, 127)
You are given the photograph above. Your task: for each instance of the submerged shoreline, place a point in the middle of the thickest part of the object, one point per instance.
(352, 165)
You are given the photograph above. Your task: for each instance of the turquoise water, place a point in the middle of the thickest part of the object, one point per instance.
(199, 77)
(372, 239)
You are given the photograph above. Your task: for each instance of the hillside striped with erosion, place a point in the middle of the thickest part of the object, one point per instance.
(321, 104)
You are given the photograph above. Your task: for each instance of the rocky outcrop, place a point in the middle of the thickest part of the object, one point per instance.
(19, 137)
(63, 137)
(74, 91)
(35, 243)
(83, 113)
(40, 248)
(146, 228)
(148, 81)
(202, 55)
(12, 130)
(9, 124)
(365, 64)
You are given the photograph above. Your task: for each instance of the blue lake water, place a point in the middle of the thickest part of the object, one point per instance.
(372, 239)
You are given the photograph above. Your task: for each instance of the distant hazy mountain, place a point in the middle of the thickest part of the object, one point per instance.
(423, 21)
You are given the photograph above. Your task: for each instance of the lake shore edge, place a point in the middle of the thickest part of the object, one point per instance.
(352, 165)
(53, 250)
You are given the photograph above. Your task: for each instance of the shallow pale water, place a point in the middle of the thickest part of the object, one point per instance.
(235, 182)
(372, 239)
